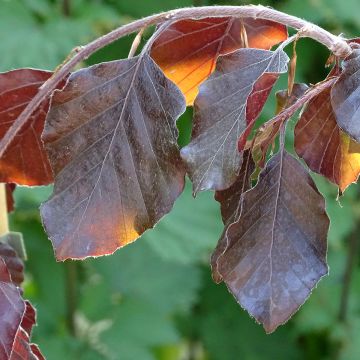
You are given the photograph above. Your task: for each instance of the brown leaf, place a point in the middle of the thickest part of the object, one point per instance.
(212, 157)
(111, 138)
(12, 308)
(187, 50)
(345, 96)
(231, 204)
(323, 146)
(278, 245)
(25, 161)
(14, 264)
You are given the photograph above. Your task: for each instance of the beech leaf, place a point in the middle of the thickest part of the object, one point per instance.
(220, 115)
(231, 205)
(323, 146)
(345, 96)
(188, 49)
(25, 161)
(278, 245)
(111, 138)
(12, 308)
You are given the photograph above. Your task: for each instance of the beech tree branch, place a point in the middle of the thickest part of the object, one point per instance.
(337, 45)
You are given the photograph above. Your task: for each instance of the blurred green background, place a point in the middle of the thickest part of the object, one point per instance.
(154, 299)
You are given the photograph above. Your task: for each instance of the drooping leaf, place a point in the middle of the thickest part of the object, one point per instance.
(10, 203)
(23, 349)
(345, 96)
(12, 308)
(188, 49)
(278, 251)
(231, 204)
(212, 157)
(324, 147)
(111, 140)
(25, 161)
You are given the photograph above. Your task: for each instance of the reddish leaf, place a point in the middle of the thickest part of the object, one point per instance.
(212, 158)
(323, 146)
(25, 161)
(345, 96)
(112, 142)
(188, 49)
(10, 188)
(22, 349)
(12, 308)
(278, 245)
(231, 205)
(14, 264)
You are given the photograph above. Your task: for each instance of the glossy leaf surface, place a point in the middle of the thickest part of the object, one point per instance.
(278, 245)
(212, 157)
(112, 143)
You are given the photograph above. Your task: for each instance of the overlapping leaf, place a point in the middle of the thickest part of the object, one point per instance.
(112, 142)
(14, 264)
(278, 245)
(231, 204)
(25, 161)
(188, 49)
(212, 157)
(345, 96)
(12, 308)
(324, 147)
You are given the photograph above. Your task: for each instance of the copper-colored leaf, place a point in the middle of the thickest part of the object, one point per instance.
(25, 161)
(231, 205)
(220, 117)
(278, 245)
(345, 96)
(187, 50)
(12, 308)
(324, 147)
(111, 138)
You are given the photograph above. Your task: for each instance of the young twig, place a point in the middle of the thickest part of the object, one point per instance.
(336, 45)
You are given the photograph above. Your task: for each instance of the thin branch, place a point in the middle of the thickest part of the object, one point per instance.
(66, 8)
(71, 294)
(335, 44)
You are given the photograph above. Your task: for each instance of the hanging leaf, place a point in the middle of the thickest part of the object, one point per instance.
(188, 49)
(25, 161)
(345, 96)
(12, 308)
(111, 138)
(231, 204)
(212, 158)
(278, 245)
(324, 147)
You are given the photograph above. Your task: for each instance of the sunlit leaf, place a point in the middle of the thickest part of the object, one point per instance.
(278, 245)
(324, 147)
(212, 157)
(188, 49)
(112, 143)
(25, 161)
